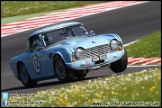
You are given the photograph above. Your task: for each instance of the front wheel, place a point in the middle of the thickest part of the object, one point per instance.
(25, 78)
(81, 74)
(120, 65)
(62, 72)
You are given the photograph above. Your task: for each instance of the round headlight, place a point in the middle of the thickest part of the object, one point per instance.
(79, 53)
(114, 45)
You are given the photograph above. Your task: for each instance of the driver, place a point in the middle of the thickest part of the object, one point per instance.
(36, 44)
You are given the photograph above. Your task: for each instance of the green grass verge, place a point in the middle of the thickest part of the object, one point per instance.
(15, 8)
(143, 87)
(24, 17)
(149, 46)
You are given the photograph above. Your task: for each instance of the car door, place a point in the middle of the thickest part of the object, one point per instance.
(37, 61)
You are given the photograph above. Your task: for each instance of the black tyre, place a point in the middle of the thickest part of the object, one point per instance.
(81, 74)
(120, 65)
(62, 72)
(24, 76)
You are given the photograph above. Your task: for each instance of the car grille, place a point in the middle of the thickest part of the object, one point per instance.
(95, 51)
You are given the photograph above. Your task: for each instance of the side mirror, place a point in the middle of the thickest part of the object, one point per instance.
(92, 33)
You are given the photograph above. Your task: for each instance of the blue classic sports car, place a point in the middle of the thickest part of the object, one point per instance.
(67, 51)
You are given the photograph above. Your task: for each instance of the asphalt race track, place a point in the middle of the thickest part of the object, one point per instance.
(131, 23)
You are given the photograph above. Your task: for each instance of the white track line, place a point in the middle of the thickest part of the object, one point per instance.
(130, 43)
(7, 74)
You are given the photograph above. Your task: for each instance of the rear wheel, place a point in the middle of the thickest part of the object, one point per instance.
(62, 72)
(25, 78)
(120, 65)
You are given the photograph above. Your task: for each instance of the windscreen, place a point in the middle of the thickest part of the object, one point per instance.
(60, 35)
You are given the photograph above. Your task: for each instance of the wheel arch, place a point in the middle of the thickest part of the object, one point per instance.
(64, 53)
(57, 54)
(18, 66)
(30, 82)
(18, 71)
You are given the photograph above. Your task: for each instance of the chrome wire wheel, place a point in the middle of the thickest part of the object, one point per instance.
(60, 69)
(24, 74)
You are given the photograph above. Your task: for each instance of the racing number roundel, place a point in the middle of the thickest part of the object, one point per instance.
(36, 64)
